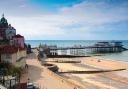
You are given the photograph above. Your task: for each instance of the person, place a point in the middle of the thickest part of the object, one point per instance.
(98, 60)
(28, 80)
(26, 66)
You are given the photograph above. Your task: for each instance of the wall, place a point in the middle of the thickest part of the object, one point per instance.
(13, 58)
(6, 58)
(21, 55)
(10, 32)
(19, 42)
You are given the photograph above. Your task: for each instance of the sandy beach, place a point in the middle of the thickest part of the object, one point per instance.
(42, 77)
(103, 80)
(46, 79)
(105, 64)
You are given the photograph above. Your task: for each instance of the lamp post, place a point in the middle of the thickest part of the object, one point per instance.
(2, 75)
(28, 80)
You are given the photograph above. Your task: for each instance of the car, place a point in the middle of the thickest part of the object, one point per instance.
(31, 86)
(2, 87)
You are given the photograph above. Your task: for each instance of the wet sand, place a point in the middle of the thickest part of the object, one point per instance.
(105, 64)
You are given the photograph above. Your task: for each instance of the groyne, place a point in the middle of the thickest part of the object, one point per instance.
(63, 80)
(91, 71)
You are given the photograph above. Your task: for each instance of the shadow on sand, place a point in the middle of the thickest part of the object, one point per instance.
(34, 73)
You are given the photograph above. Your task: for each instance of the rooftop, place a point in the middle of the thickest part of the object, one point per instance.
(10, 49)
(18, 36)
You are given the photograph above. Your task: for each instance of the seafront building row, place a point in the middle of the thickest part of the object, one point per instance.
(12, 46)
(13, 52)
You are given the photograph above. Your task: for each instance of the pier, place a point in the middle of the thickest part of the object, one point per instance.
(99, 47)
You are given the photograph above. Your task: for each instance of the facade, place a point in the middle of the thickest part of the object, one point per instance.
(10, 32)
(46, 49)
(6, 30)
(0, 57)
(3, 27)
(18, 41)
(12, 50)
(1, 38)
(13, 55)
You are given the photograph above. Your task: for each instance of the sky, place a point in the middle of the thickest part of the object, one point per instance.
(68, 19)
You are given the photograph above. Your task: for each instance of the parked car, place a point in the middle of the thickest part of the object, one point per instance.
(31, 86)
(2, 87)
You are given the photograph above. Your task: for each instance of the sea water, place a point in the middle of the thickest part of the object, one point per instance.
(122, 56)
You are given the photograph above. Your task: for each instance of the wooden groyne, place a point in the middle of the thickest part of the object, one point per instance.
(91, 71)
(62, 61)
(64, 56)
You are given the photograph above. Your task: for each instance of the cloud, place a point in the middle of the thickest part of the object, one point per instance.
(85, 20)
(94, 19)
(36, 27)
(18, 8)
(97, 13)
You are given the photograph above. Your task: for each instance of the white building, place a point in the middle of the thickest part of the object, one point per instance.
(10, 32)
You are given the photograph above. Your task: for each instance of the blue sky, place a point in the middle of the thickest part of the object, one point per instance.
(68, 19)
(53, 4)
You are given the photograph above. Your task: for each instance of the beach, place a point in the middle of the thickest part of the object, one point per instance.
(103, 80)
(104, 63)
(46, 79)
(42, 76)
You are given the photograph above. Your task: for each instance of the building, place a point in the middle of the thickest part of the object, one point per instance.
(18, 41)
(10, 32)
(1, 38)
(47, 49)
(3, 27)
(13, 55)
(6, 30)
(12, 48)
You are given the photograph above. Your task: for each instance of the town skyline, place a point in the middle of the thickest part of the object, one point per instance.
(68, 19)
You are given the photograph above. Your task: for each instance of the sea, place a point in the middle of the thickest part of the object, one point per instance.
(121, 56)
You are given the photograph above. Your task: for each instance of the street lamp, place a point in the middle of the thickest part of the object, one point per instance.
(2, 75)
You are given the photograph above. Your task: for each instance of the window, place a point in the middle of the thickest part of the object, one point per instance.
(0, 57)
(8, 56)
